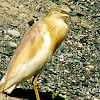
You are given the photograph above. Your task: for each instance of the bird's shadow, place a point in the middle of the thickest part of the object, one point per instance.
(30, 94)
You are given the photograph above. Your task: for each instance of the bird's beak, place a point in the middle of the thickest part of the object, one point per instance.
(72, 13)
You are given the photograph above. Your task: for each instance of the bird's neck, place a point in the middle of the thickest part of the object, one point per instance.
(57, 29)
(55, 24)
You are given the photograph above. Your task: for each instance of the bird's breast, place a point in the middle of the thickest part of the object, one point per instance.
(58, 30)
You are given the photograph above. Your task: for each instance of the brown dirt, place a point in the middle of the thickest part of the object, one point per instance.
(15, 14)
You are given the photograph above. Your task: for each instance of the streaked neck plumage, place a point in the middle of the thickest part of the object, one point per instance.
(57, 28)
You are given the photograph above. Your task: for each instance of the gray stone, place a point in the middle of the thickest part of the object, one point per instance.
(13, 33)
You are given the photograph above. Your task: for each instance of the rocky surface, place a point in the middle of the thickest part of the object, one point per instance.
(73, 73)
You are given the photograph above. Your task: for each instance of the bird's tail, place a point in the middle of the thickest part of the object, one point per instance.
(5, 86)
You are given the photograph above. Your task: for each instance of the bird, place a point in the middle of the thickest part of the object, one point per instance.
(37, 46)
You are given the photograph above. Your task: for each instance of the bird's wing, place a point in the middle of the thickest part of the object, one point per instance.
(26, 50)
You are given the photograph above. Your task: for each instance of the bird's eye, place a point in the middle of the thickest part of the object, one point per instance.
(63, 12)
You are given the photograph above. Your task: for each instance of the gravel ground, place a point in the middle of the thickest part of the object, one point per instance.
(73, 72)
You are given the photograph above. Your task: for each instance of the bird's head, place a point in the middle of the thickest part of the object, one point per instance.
(61, 12)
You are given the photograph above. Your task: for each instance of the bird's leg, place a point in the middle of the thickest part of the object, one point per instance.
(35, 87)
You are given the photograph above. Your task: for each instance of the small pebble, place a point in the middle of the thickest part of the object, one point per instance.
(0, 58)
(13, 32)
(92, 3)
(95, 98)
(98, 14)
(7, 37)
(88, 50)
(12, 44)
(69, 42)
(31, 22)
(84, 25)
(90, 66)
(61, 48)
(61, 57)
(66, 71)
(80, 45)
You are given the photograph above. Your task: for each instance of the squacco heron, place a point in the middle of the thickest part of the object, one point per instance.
(36, 47)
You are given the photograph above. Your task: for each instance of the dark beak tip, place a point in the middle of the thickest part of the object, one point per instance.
(72, 13)
(78, 14)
